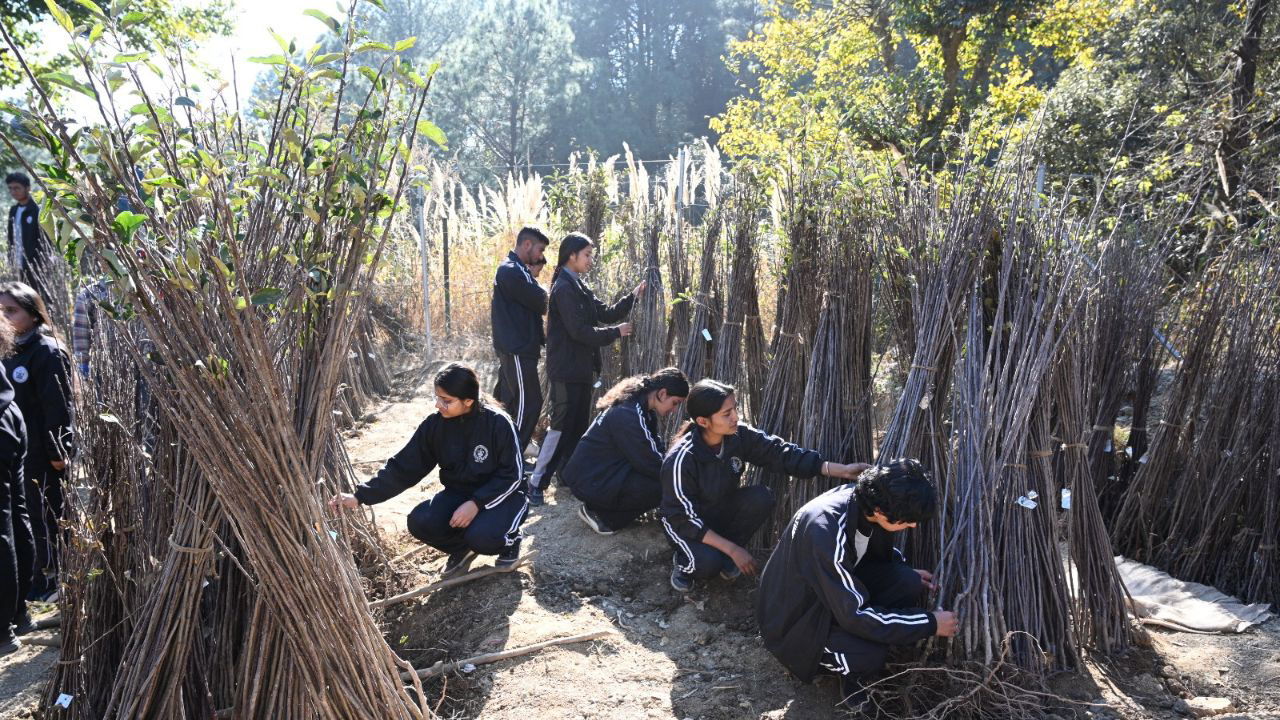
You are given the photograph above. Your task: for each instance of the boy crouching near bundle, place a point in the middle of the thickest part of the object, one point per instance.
(836, 593)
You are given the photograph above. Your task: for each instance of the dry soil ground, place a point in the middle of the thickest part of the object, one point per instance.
(695, 656)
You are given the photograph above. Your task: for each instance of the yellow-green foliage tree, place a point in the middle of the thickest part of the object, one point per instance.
(909, 77)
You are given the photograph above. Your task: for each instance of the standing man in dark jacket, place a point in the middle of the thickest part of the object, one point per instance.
(29, 251)
(578, 325)
(836, 593)
(519, 303)
(707, 513)
(17, 547)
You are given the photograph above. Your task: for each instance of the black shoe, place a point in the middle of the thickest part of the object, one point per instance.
(593, 521)
(458, 562)
(11, 646)
(731, 573)
(23, 625)
(535, 497)
(508, 557)
(854, 697)
(679, 579)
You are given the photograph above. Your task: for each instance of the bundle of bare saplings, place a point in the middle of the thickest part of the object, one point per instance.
(204, 575)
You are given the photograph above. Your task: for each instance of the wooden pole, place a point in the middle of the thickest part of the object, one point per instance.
(444, 249)
(441, 667)
(442, 584)
(421, 221)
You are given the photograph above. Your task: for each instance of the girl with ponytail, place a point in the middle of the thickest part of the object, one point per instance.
(614, 470)
(707, 514)
(578, 325)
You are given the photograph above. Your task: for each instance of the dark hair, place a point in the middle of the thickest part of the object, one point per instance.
(18, 177)
(6, 340)
(901, 489)
(28, 299)
(459, 381)
(528, 232)
(571, 244)
(633, 388)
(705, 399)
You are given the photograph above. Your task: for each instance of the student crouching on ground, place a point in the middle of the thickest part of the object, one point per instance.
(40, 372)
(836, 593)
(705, 511)
(17, 546)
(578, 325)
(483, 502)
(616, 467)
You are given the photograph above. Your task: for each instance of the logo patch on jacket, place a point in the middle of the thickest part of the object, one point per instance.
(20, 374)
(30, 219)
(735, 463)
(480, 454)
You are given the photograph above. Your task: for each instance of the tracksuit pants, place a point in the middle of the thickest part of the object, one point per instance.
(520, 392)
(570, 418)
(638, 495)
(17, 557)
(737, 518)
(490, 531)
(44, 506)
(892, 585)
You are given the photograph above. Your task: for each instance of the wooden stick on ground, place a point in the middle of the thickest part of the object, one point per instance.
(45, 623)
(442, 667)
(410, 553)
(44, 640)
(442, 584)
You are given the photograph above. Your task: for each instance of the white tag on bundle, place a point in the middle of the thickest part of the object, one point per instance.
(1108, 447)
(1129, 451)
(598, 384)
(333, 534)
(1066, 498)
(1033, 495)
(63, 701)
(1143, 460)
(1027, 502)
(706, 334)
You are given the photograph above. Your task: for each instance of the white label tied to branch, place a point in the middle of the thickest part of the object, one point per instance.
(1027, 502)
(63, 701)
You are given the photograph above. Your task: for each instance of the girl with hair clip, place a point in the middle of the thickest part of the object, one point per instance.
(40, 372)
(577, 327)
(475, 445)
(614, 471)
(707, 514)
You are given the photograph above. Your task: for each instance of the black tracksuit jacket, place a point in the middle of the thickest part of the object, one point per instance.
(518, 305)
(13, 453)
(40, 372)
(574, 332)
(808, 584)
(478, 454)
(34, 245)
(695, 479)
(621, 443)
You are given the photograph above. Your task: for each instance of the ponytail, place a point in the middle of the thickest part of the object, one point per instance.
(637, 386)
(705, 399)
(572, 244)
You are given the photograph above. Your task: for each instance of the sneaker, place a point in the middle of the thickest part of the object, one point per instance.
(458, 562)
(535, 497)
(10, 647)
(593, 521)
(679, 579)
(508, 557)
(23, 625)
(731, 573)
(853, 695)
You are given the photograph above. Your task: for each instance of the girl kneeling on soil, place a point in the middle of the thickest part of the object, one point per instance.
(483, 502)
(614, 470)
(705, 511)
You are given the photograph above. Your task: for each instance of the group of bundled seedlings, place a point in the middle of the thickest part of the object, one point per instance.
(1204, 502)
(204, 574)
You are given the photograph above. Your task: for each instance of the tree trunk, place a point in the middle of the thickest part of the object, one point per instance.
(1235, 136)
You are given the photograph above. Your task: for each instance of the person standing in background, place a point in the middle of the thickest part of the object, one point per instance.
(29, 251)
(40, 372)
(577, 327)
(519, 303)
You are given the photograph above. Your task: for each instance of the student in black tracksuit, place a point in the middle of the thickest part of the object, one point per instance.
(836, 593)
(705, 511)
(17, 546)
(577, 327)
(519, 303)
(483, 502)
(29, 249)
(615, 469)
(40, 372)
